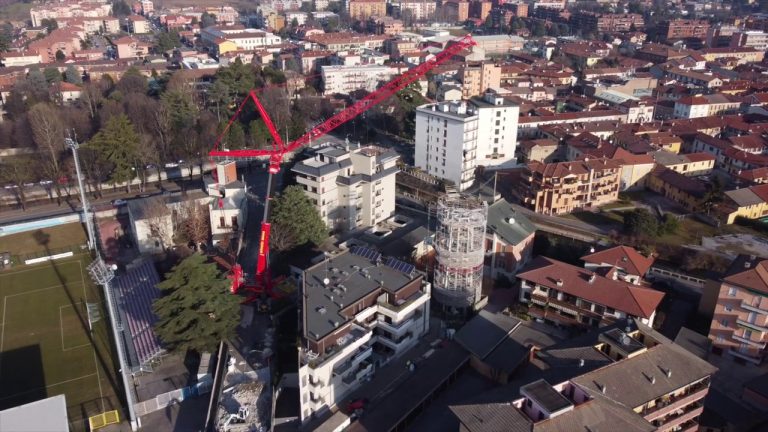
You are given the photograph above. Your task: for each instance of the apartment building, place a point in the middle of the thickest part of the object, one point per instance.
(66, 40)
(420, 9)
(480, 9)
(563, 187)
(750, 39)
(347, 41)
(549, 4)
(137, 24)
(454, 138)
(611, 23)
(476, 78)
(571, 296)
(529, 125)
(223, 39)
(20, 58)
(584, 382)
(69, 10)
(687, 191)
(130, 47)
(740, 320)
(359, 311)
(341, 79)
(456, 11)
(682, 29)
(92, 25)
(364, 9)
(350, 188)
(147, 7)
(706, 106)
(742, 54)
(497, 45)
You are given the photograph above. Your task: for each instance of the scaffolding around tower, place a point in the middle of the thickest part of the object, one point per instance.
(460, 250)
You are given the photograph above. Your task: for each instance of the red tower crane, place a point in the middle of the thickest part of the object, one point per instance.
(263, 283)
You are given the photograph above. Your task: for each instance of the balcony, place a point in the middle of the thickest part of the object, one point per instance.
(688, 413)
(665, 407)
(744, 356)
(756, 309)
(752, 326)
(396, 329)
(553, 315)
(750, 342)
(363, 353)
(554, 303)
(362, 370)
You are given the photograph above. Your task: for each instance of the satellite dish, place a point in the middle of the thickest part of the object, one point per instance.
(326, 281)
(114, 267)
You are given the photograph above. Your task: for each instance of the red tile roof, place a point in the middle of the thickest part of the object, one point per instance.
(754, 277)
(623, 257)
(631, 299)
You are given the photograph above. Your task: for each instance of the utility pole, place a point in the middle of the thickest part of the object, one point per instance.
(74, 146)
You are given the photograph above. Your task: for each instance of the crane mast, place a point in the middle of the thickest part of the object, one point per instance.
(263, 284)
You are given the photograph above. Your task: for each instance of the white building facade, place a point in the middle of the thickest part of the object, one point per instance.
(454, 138)
(343, 344)
(229, 207)
(350, 187)
(346, 79)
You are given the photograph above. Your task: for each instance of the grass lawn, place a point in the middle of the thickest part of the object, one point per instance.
(46, 348)
(26, 243)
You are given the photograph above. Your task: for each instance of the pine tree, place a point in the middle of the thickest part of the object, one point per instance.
(72, 76)
(115, 144)
(294, 214)
(196, 310)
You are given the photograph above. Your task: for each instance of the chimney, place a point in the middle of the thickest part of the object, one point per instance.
(559, 282)
(592, 278)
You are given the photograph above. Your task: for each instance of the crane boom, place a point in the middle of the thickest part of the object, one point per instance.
(263, 280)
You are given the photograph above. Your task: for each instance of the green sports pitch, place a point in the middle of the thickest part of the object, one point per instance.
(47, 346)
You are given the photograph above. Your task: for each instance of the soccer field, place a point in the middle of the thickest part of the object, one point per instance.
(46, 348)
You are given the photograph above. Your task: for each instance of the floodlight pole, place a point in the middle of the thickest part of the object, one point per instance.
(72, 144)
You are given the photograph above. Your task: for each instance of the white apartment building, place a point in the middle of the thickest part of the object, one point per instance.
(454, 138)
(421, 9)
(705, 106)
(346, 79)
(750, 39)
(350, 188)
(68, 10)
(243, 38)
(359, 311)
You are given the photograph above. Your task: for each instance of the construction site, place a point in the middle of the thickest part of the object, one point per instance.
(459, 246)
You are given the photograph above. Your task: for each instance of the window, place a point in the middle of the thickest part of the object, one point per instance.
(720, 338)
(498, 123)
(724, 323)
(731, 291)
(727, 308)
(498, 113)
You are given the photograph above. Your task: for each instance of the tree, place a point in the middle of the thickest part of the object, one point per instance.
(195, 226)
(18, 172)
(641, 222)
(6, 36)
(167, 41)
(207, 20)
(235, 137)
(237, 78)
(115, 144)
(669, 225)
(294, 213)
(157, 216)
(91, 97)
(120, 8)
(49, 24)
(196, 310)
(132, 81)
(48, 134)
(52, 75)
(72, 76)
(60, 56)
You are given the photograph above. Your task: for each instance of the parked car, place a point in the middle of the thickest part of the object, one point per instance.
(119, 202)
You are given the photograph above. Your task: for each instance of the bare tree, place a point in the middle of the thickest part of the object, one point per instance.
(147, 156)
(157, 215)
(281, 238)
(48, 133)
(196, 224)
(162, 126)
(18, 172)
(91, 97)
(278, 106)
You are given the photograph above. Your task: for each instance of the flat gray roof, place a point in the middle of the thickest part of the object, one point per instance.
(744, 197)
(347, 283)
(45, 415)
(545, 395)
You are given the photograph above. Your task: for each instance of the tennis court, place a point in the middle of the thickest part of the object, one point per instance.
(46, 347)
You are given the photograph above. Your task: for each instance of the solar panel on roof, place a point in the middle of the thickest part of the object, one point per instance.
(365, 253)
(400, 265)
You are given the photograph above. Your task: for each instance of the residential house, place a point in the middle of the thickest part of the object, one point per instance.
(508, 241)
